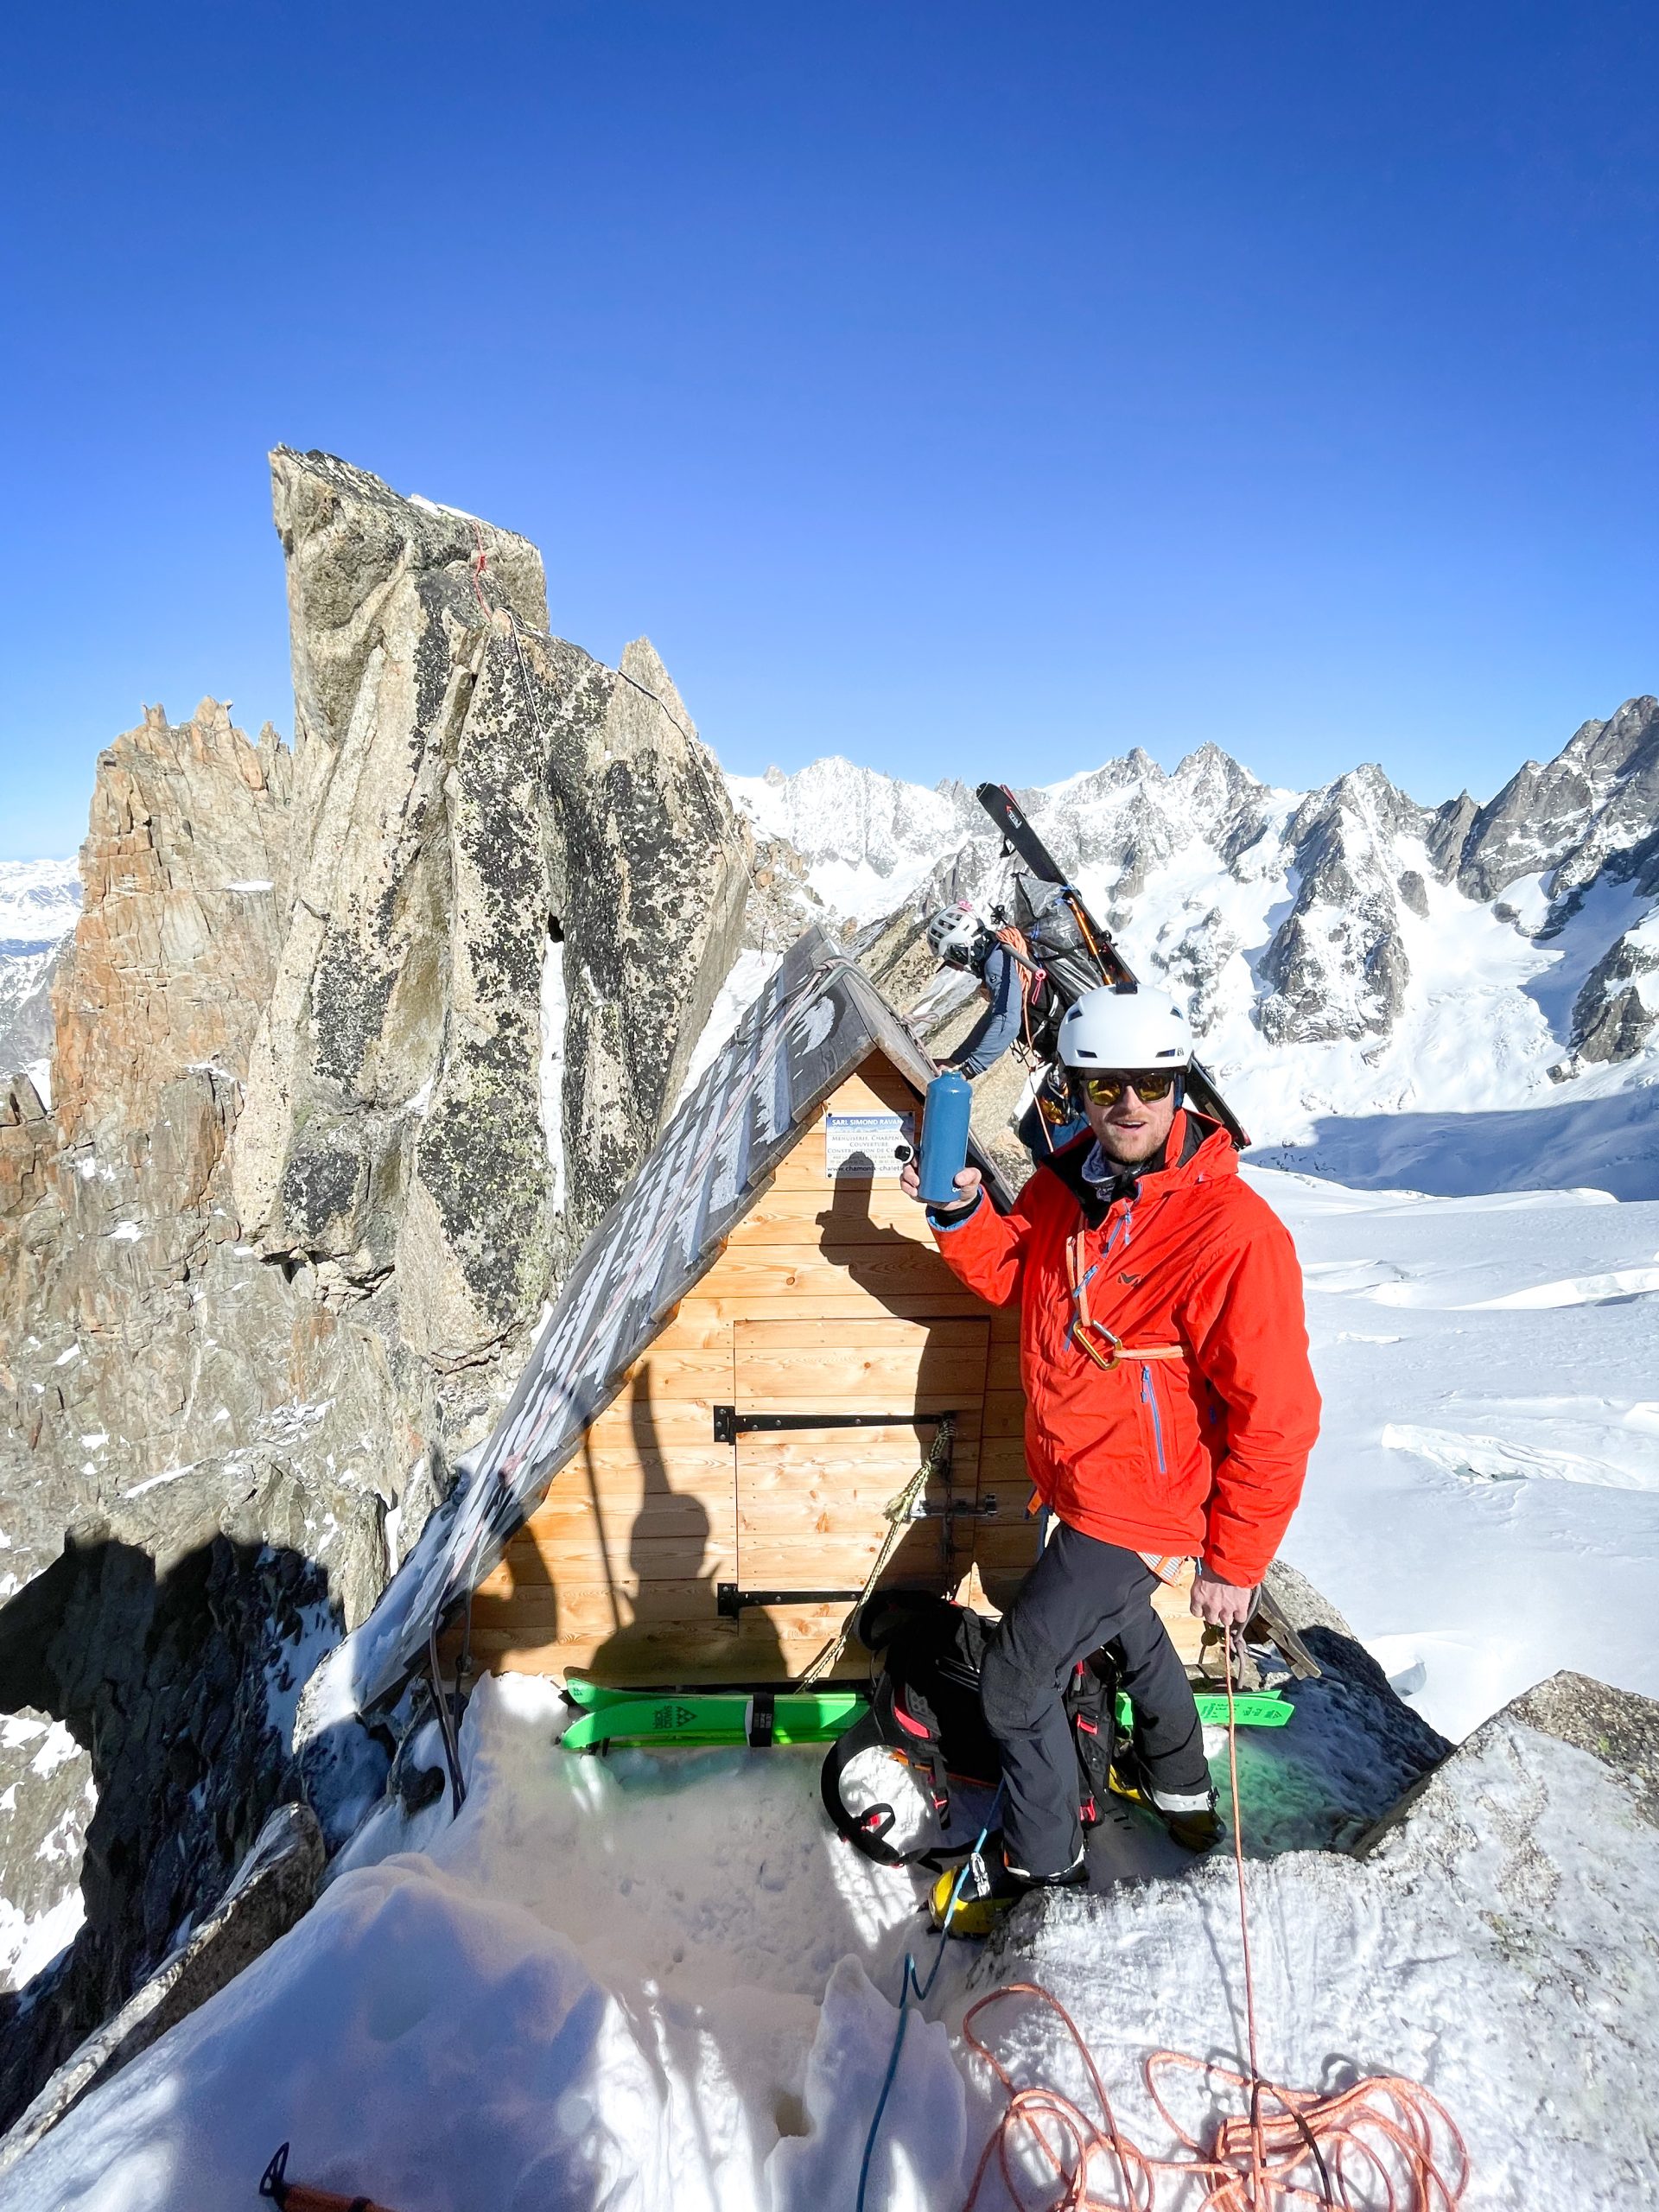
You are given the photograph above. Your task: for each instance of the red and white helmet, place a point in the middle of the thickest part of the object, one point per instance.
(1126, 1030)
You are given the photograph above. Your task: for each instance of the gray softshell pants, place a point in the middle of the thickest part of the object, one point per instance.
(1081, 1593)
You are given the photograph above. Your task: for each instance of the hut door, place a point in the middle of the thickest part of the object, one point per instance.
(810, 1491)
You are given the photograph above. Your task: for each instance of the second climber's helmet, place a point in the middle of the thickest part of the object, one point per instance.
(958, 938)
(1125, 1030)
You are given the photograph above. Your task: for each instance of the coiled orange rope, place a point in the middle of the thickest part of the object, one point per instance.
(1384, 2143)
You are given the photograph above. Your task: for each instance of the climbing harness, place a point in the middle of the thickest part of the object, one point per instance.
(1103, 1345)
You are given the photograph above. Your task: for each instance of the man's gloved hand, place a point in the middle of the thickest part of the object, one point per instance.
(1222, 1605)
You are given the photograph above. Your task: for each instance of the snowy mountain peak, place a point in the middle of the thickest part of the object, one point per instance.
(1343, 951)
(39, 901)
(1598, 797)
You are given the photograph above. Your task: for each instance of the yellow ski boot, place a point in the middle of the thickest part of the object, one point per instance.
(971, 1899)
(1191, 1817)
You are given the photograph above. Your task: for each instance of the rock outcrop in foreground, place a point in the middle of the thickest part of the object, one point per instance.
(1496, 1941)
(354, 1043)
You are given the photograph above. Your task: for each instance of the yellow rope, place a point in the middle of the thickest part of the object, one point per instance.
(897, 1512)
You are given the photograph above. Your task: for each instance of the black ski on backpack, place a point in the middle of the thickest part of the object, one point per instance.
(1073, 964)
(926, 1708)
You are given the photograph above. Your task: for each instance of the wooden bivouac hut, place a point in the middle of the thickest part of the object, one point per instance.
(753, 1355)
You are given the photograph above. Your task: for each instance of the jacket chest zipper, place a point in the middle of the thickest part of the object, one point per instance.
(1151, 1397)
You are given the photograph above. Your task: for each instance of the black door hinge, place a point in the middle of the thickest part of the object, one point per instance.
(730, 1424)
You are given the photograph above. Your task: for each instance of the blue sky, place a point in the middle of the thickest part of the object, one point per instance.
(973, 389)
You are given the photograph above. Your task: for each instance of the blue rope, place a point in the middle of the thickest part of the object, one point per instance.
(913, 1981)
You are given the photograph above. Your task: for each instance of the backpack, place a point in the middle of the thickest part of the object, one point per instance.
(925, 1707)
(1067, 967)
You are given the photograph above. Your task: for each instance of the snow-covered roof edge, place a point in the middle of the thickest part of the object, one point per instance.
(816, 1020)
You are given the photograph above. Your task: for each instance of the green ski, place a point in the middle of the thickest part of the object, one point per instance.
(665, 1717)
(699, 1720)
(1252, 1708)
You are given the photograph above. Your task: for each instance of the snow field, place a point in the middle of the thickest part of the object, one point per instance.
(640, 1983)
(1488, 1011)
(651, 1983)
(1483, 1502)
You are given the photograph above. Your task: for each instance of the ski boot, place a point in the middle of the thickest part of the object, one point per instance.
(1190, 1816)
(989, 1887)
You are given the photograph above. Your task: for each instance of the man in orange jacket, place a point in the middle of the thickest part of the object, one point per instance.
(1169, 1412)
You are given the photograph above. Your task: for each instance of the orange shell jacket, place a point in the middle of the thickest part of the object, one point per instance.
(1202, 1455)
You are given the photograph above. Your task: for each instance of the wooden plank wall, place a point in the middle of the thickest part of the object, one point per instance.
(615, 1572)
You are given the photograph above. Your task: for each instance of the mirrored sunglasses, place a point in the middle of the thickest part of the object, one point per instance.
(1106, 1090)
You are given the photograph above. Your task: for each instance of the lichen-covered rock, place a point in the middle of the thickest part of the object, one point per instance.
(182, 877)
(1618, 1727)
(517, 886)
(149, 1366)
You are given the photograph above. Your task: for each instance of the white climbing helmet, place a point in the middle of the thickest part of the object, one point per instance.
(1126, 1030)
(958, 938)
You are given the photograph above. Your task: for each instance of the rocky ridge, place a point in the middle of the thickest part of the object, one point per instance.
(354, 1043)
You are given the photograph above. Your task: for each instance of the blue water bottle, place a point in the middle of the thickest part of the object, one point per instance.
(944, 1137)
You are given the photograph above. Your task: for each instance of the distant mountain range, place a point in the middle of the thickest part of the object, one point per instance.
(39, 901)
(1344, 952)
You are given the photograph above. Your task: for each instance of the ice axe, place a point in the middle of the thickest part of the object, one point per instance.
(294, 2196)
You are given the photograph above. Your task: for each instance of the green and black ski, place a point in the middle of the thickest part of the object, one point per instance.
(692, 1718)
(1000, 803)
(699, 1717)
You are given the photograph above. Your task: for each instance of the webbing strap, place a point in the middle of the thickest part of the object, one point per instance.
(1085, 1329)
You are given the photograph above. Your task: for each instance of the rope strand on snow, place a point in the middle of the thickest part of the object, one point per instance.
(912, 1984)
(1384, 2141)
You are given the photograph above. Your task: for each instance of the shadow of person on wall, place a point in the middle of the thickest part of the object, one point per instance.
(166, 1682)
(661, 1619)
(905, 1274)
(877, 1257)
(679, 1553)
